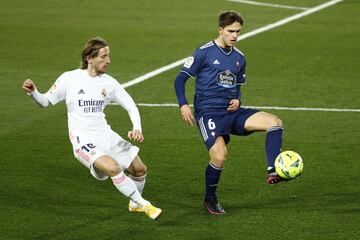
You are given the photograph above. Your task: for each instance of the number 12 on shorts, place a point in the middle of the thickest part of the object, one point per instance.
(88, 147)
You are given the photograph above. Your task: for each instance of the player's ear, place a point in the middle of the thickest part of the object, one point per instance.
(220, 30)
(88, 59)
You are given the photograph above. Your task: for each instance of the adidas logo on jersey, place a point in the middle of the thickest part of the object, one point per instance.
(216, 62)
(81, 92)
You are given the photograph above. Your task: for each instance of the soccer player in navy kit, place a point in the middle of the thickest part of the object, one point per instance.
(219, 69)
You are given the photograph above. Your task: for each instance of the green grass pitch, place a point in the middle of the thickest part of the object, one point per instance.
(45, 193)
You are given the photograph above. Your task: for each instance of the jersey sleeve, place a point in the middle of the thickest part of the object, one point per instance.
(193, 63)
(57, 92)
(121, 97)
(179, 85)
(241, 78)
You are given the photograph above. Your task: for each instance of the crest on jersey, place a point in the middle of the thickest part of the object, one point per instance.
(189, 61)
(226, 79)
(103, 93)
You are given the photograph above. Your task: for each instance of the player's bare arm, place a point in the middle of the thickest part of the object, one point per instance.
(187, 115)
(136, 135)
(234, 105)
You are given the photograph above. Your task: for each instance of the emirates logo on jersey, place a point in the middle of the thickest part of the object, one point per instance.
(91, 106)
(226, 79)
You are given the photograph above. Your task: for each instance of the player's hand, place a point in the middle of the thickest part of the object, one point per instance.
(136, 135)
(28, 86)
(233, 105)
(187, 115)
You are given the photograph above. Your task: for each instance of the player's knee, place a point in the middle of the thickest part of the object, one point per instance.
(140, 171)
(218, 159)
(279, 122)
(276, 122)
(113, 169)
(218, 153)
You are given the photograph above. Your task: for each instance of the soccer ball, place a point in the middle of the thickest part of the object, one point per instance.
(289, 164)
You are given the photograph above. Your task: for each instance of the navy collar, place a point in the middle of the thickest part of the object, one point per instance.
(226, 51)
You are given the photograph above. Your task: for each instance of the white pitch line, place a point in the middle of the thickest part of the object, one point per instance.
(288, 19)
(241, 37)
(269, 4)
(153, 73)
(257, 107)
(306, 109)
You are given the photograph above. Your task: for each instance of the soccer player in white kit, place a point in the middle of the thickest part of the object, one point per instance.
(87, 91)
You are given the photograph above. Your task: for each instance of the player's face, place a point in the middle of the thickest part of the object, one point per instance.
(229, 34)
(101, 62)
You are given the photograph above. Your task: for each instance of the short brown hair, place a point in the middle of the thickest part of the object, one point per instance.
(229, 17)
(91, 49)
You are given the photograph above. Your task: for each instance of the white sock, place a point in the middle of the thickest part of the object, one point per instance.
(127, 187)
(140, 184)
(139, 181)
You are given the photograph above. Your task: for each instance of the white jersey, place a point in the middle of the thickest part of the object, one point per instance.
(86, 98)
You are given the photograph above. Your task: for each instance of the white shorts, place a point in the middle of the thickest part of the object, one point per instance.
(123, 153)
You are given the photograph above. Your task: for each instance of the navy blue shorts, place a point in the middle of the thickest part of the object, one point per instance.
(213, 124)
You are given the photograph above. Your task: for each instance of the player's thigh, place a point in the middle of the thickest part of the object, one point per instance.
(137, 168)
(107, 165)
(87, 154)
(261, 121)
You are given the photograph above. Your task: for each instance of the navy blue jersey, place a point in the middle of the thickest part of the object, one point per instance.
(219, 73)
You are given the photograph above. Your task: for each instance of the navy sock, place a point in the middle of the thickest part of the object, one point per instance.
(212, 177)
(273, 144)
